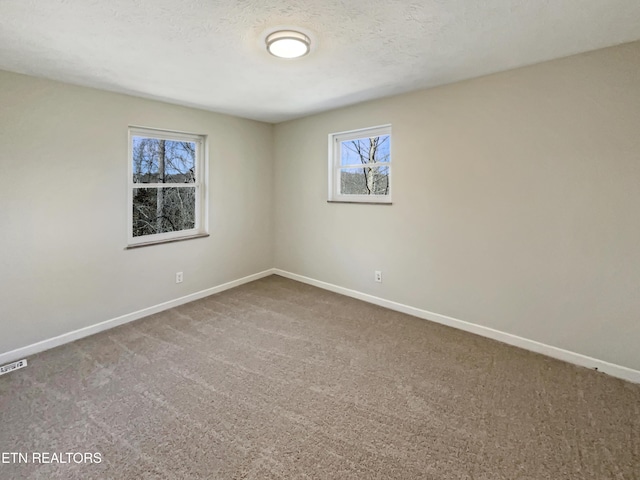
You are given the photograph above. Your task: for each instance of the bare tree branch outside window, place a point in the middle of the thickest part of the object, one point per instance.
(373, 177)
(164, 194)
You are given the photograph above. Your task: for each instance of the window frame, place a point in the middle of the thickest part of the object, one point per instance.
(335, 141)
(200, 185)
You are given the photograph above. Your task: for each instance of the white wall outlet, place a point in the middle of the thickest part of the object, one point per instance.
(10, 367)
(179, 277)
(378, 276)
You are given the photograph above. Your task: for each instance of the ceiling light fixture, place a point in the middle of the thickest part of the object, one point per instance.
(288, 44)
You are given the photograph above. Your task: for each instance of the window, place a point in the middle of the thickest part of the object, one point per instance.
(166, 186)
(360, 165)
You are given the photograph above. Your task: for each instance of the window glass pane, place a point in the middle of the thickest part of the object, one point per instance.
(365, 150)
(161, 210)
(163, 161)
(364, 181)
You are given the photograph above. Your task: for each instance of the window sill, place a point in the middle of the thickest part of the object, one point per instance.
(169, 240)
(360, 202)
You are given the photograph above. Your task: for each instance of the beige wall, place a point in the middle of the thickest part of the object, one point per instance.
(63, 204)
(516, 203)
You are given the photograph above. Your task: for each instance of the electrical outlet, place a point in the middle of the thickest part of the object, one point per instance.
(378, 276)
(179, 277)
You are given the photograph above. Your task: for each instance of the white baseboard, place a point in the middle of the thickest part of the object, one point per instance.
(612, 369)
(129, 317)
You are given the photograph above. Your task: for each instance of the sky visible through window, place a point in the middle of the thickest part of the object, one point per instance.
(364, 166)
(355, 152)
(176, 159)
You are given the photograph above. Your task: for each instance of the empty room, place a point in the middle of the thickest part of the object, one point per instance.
(322, 239)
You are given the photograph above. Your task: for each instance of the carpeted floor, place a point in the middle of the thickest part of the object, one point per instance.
(277, 379)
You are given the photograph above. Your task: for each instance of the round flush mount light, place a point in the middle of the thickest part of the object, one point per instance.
(288, 44)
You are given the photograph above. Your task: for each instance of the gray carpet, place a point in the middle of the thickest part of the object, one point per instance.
(277, 379)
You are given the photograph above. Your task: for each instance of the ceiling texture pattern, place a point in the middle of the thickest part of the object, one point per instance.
(210, 54)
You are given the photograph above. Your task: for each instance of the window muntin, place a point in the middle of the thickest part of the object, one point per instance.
(166, 185)
(360, 165)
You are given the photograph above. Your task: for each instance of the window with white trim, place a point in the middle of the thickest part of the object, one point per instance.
(360, 165)
(167, 186)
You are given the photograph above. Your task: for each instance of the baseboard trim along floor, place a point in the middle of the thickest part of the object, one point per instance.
(129, 317)
(612, 369)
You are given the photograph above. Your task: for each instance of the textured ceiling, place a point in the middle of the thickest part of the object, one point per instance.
(210, 53)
